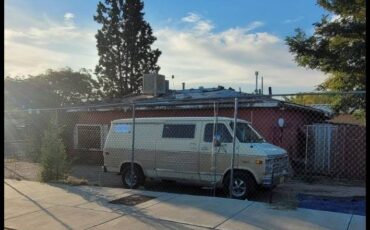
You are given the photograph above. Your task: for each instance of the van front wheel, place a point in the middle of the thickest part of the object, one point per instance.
(242, 187)
(132, 180)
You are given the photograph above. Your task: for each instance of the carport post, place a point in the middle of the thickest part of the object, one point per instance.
(133, 144)
(305, 159)
(233, 155)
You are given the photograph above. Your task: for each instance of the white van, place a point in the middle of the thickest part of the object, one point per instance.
(181, 149)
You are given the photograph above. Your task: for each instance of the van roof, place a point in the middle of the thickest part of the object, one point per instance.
(162, 119)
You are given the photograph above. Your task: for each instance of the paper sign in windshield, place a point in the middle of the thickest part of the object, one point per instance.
(122, 128)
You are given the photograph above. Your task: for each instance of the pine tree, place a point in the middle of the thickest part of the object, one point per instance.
(124, 46)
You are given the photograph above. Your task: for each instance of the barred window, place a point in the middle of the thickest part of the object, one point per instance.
(178, 131)
(89, 137)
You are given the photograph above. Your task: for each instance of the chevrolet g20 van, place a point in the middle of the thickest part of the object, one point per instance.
(183, 149)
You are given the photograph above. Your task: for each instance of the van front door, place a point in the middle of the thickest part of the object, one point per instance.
(177, 155)
(212, 166)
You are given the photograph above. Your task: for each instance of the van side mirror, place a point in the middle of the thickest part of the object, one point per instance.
(217, 141)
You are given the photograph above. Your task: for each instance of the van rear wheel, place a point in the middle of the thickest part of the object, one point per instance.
(242, 187)
(132, 180)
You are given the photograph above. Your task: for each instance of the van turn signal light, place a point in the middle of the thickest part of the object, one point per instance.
(259, 162)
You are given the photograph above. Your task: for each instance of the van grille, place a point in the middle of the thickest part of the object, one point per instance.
(280, 164)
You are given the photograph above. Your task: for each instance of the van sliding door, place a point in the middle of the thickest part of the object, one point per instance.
(177, 151)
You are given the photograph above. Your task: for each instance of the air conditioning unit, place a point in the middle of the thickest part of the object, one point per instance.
(154, 84)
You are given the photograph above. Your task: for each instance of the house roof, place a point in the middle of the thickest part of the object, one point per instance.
(169, 119)
(324, 107)
(190, 98)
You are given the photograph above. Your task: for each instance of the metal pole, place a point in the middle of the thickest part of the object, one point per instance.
(262, 85)
(233, 155)
(272, 183)
(305, 161)
(133, 144)
(213, 167)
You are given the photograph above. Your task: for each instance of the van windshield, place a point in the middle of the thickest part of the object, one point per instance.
(246, 134)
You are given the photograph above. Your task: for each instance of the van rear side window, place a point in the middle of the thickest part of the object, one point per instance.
(122, 128)
(178, 131)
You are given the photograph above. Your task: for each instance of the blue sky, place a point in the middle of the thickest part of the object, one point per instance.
(203, 42)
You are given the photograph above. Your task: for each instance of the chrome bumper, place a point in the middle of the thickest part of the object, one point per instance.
(279, 178)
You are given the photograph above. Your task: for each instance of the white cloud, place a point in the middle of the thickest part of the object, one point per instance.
(68, 16)
(191, 17)
(197, 55)
(230, 58)
(254, 25)
(199, 24)
(203, 26)
(287, 21)
(52, 44)
(334, 17)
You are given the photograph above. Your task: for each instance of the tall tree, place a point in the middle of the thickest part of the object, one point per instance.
(124, 46)
(338, 48)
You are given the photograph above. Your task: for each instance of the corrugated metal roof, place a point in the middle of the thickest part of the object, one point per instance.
(190, 98)
(326, 108)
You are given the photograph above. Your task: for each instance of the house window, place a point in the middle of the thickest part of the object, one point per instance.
(178, 131)
(220, 131)
(90, 137)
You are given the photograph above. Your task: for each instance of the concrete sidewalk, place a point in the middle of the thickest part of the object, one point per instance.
(33, 205)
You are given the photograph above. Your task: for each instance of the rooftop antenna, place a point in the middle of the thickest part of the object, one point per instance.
(173, 82)
(261, 85)
(256, 90)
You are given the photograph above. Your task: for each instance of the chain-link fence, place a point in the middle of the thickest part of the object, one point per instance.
(229, 147)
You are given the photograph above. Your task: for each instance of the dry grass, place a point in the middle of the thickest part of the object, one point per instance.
(75, 181)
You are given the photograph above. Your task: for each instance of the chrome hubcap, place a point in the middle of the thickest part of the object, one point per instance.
(128, 179)
(239, 187)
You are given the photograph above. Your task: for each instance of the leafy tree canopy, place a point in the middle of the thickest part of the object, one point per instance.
(54, 88)
(338, 48)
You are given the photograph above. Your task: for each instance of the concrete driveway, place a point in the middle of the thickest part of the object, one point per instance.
(33, 205)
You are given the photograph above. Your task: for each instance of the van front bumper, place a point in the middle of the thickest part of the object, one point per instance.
(268, 181)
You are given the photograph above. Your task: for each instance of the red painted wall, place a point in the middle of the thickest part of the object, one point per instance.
(264, 120)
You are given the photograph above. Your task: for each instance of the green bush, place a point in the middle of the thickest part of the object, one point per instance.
(54, 161)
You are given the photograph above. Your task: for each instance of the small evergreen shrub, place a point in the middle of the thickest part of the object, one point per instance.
(54, 161)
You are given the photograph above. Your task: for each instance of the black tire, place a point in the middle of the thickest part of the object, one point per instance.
(247, 179)
(138, 177)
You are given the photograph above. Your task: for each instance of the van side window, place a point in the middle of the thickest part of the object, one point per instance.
(221, 130)
(178, 131)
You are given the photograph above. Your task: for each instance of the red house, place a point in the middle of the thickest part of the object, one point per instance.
(90, 123)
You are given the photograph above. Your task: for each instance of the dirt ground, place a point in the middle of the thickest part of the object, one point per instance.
(283, 196)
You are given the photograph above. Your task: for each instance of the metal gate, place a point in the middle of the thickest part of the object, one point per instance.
(320, 148)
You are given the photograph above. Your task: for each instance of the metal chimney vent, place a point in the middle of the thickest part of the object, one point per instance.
(154, 84)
